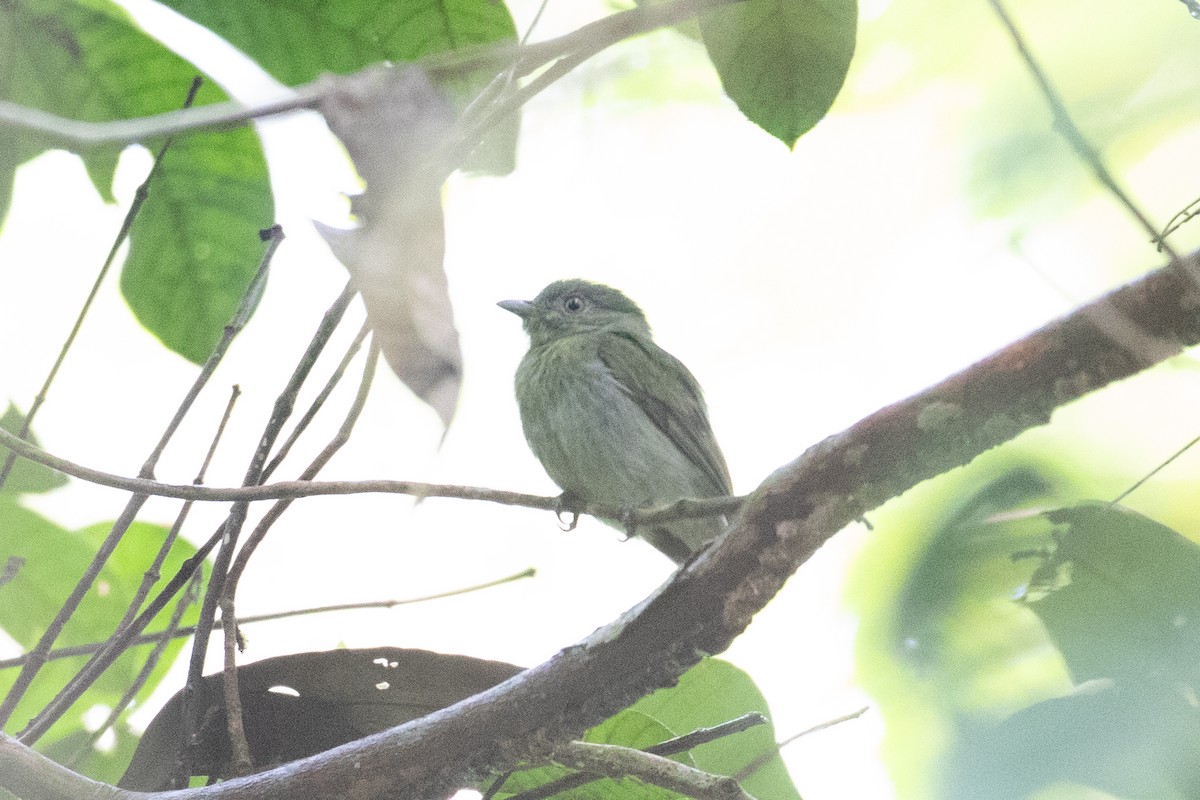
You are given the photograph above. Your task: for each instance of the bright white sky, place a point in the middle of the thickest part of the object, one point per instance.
(805, 289)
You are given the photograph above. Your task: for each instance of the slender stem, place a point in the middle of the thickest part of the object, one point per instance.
(618, 762)
(760, 762)
(152, 576)
(564, 54)
(687, 508)
(1141, 481)
(160, 646)
(241, 762)
(139, 198)
(1071, 132)
(231, 531)
(680, 744)
(316, 404)
(187, 630)
(57, 707)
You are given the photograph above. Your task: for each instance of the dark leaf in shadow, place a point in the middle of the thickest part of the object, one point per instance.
(298, 705)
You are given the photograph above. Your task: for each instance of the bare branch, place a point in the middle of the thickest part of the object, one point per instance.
(618, 763)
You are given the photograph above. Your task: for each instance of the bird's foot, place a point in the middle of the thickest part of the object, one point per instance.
(628, 524)
(567, 504)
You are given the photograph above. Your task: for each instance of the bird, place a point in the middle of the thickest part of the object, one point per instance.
(612, 417)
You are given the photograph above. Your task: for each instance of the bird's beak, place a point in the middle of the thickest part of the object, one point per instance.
(522, 308)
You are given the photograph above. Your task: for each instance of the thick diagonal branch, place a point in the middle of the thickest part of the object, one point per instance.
(712, 599)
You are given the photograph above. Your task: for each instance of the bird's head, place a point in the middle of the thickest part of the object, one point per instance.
(566, 308)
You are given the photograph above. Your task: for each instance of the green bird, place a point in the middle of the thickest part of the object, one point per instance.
(612, 416)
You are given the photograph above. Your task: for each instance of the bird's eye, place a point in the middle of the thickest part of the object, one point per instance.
(573, 304)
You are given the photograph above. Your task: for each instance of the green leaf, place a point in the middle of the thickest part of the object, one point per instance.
(712, 692)
(26, 477)
(941, 644)
(629, 729)
(1134, 741)
(782, 61)
(52, 560)
(309, 37)
(1130, 608)
(195, 245)
(195, 248)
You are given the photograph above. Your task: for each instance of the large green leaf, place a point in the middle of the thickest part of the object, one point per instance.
(710, 693)
(195, 245)
(51, 562)
(195, 248)
(628, 729)
(1117, 593)
(1130, 606)
(782, 61)
(1129, 741)
(297, 40)
(941, 644)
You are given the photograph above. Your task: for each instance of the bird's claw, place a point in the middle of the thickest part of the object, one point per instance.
(564, 505)
(625, 517)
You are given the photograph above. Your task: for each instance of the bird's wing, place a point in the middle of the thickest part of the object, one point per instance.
(662, 387)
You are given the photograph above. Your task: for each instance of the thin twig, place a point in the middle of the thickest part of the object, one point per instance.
(317, 403)
(679, 744)
(1073, 135)
(92, 670)
(1176, 222)
(280, 413)
(241, 763)
(1138, 484)
(688, 508)
(187, 630)
(139, 198)
(564, 54)
(151, 576)
(318, 463)
(161, 641)
(760, 762)
(617, 762)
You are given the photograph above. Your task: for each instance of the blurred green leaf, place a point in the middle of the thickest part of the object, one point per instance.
(941, 644)
(195, 248)
(782, 61)
(1132, 741)
(953, 621)
(310, 37)
(26, 476)
(53, 560)
(1130, 607)
(1012, 160)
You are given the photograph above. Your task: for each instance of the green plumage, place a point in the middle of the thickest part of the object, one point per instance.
(612, 416)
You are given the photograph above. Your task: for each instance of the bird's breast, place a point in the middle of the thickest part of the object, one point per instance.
(590, 435)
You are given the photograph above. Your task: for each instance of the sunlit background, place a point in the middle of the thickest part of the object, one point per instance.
(932, 217)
